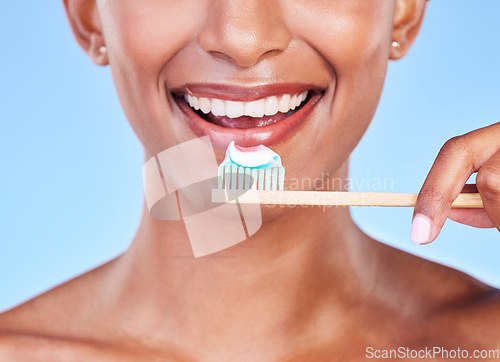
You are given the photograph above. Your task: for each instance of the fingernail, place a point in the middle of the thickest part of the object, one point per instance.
(420, 229)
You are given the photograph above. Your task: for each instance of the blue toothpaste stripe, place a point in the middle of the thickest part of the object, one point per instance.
(270, 164)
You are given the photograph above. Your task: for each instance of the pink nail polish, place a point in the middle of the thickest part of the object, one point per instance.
(420, 229)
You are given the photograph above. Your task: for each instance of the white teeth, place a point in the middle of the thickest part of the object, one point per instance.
(284, 104)
(255, 108)
(234, 109)
(195, 103)
(271, 106)
(205, 105)
(265, 106)
(294, 102)
(218, 107)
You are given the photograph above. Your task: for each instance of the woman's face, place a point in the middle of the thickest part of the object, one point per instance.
(335, 50)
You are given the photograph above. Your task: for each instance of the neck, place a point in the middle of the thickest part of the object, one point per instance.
(279, 274)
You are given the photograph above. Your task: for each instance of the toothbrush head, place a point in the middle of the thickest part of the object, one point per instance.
(251, 168)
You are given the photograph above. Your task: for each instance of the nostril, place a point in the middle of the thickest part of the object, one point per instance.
(245, 60)
(269, 53)
(223, 56)
(244, 63)
(245, 33)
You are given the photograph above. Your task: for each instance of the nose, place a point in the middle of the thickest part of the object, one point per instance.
(244, 32)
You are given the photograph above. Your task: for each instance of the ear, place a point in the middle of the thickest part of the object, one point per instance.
(408, 17)
(86, 26)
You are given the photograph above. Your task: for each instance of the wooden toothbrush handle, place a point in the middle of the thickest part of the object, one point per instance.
(333, 198)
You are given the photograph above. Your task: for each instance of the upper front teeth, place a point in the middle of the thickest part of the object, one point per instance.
(262, 107)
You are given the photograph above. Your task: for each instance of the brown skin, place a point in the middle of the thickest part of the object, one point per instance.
(310, 285)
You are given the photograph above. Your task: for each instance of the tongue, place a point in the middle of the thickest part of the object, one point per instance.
(245, 121)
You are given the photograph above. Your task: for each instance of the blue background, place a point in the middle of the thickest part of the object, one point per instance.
(70, 182)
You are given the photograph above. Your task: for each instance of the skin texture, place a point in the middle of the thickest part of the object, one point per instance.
(310, 285)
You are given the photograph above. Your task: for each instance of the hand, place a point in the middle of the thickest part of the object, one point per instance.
(461, 156)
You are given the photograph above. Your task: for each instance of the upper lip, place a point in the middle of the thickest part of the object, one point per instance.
(243, 93)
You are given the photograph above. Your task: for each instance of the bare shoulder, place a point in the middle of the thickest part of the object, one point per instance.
(475, 321)
(73, 322)
(56, 325)
(449, 304)
(58, 308)
(15, 347)
(431, 281)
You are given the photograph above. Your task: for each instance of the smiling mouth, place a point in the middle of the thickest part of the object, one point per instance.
(247, 115)
(244, 115)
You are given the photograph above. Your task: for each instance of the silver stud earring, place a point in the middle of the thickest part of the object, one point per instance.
(102, 50)
(395, 44)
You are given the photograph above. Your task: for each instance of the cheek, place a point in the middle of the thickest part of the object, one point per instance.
(354, 38)
(146, 33)
(142, 36)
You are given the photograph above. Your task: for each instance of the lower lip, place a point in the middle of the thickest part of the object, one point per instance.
(266, 135)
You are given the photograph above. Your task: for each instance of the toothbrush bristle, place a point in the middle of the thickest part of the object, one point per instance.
(241, 178)
(254, 174)
(261, 179)
(274, 178)
(233, 177)
(281, 178)
(267, 180)
(248, 178)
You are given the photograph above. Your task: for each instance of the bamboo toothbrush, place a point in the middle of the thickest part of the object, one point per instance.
(255, 175)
